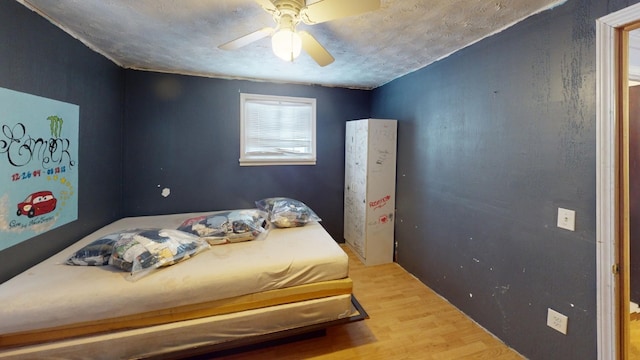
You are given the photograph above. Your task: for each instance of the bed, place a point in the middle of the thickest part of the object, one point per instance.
(294, 278)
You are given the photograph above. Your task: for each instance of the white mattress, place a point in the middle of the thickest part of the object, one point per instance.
(162, 339)
(52, 294)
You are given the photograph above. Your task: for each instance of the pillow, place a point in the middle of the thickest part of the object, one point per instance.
(96, 253)
(224, 227)
(143, 250)
(285, 212)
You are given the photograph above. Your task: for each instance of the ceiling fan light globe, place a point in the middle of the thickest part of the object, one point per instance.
(286, 44)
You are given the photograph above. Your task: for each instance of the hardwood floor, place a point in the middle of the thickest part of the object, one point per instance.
(407, 321)
(634, 346)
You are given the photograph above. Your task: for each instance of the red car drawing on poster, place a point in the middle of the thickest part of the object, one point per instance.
(38, 203)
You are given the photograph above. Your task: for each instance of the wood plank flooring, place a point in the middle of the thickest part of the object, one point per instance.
(634, 346)
(407, 321)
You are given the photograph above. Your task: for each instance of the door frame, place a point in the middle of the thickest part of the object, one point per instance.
(608, 212)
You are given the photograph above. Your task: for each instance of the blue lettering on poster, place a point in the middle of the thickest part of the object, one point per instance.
(38, 165)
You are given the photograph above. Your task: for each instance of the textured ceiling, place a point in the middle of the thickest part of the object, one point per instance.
(370, 49)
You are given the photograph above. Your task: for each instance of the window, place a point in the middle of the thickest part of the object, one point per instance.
(277, 130)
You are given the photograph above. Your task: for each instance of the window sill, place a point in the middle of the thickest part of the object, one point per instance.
(255, 162)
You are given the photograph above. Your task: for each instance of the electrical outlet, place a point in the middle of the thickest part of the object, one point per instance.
(567, 219)
(557, 321)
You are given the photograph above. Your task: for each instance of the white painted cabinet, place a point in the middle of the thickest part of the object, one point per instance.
(370, 190)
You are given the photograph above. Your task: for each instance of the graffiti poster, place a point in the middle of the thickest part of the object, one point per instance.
(38, 165)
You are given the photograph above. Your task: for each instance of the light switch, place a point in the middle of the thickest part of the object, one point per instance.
(566, 219)
(557, 321)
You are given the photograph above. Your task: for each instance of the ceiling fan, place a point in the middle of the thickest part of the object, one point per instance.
(286, 40)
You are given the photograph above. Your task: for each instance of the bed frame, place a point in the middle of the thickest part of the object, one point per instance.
(182, 310)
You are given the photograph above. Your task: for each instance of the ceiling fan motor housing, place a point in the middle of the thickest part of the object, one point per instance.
(287, 14)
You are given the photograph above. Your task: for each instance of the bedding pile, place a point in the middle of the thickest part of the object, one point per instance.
(285, 212)
(140, 251)
(224, 227)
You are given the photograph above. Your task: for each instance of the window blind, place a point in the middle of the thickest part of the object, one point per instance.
(277, 130)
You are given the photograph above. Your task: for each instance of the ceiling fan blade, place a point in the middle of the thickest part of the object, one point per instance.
(314, 49)
(267, 5)
(327, 10)
(247, 39)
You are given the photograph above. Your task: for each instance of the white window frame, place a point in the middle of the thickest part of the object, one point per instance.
(280, 158)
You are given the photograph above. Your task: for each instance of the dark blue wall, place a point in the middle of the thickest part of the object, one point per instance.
(183, 133)
(180, 132)
(492, 140)
(40, 59)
